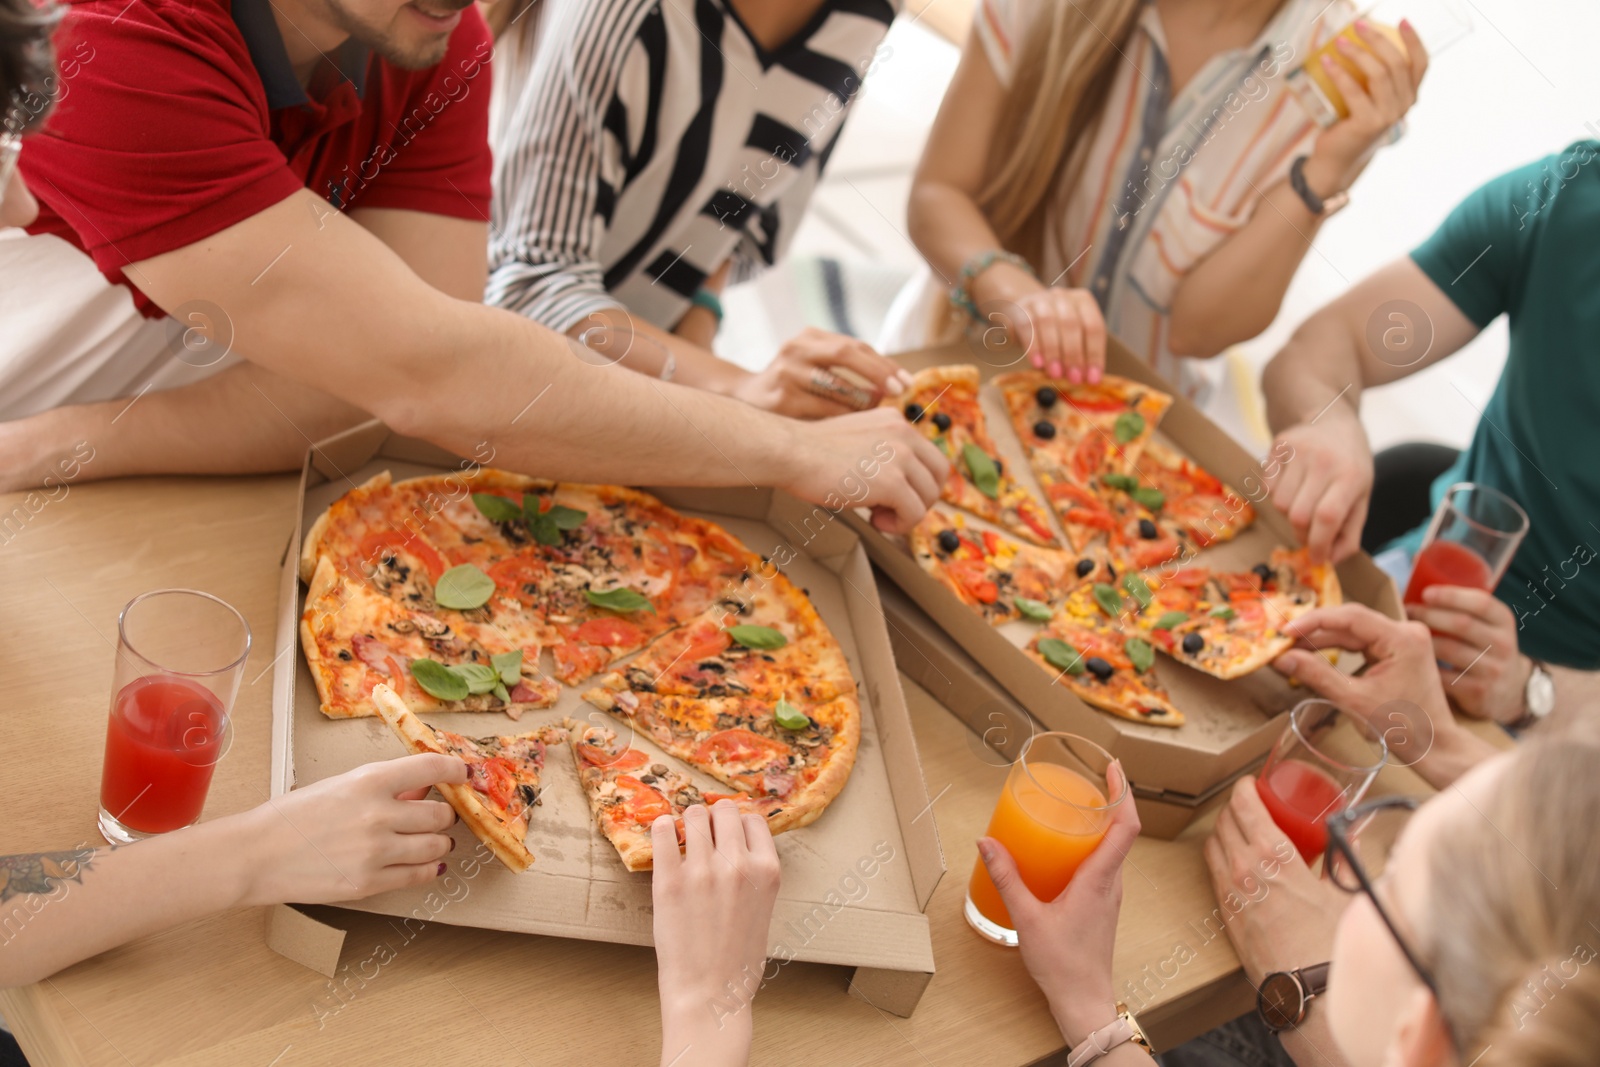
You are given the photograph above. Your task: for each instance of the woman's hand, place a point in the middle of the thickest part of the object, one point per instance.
(1392, 81)
(362, 832)
(800, 383)
(713, 906)
(1062, 331)
(1066, 943)
(1476, 634)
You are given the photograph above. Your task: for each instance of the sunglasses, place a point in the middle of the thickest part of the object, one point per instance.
(1346, 870)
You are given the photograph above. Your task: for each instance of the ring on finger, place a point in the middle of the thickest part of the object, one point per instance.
(830, 386)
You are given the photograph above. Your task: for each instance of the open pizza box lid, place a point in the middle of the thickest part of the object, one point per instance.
(855, 882)
(1230, 725)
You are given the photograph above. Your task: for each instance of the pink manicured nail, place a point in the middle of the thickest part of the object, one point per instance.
(1055, 370)
(1075, 375)
(1037, 360)
(1363, 25)
(1094, 375)
(442, 866)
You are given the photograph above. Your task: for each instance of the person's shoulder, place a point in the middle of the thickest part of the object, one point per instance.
(181, 15)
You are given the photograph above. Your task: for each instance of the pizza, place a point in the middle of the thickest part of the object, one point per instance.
(943, 403)
(503, 776)
(1074, 434)
(1188, 498)
(628, 791)
(998, 577)
(1229, 624)
(1090, 651)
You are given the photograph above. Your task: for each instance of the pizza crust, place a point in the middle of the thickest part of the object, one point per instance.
(502, 837)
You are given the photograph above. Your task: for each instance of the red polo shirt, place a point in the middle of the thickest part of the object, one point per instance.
(187, 118)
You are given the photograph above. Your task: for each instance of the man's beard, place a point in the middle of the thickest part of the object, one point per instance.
(414, 54)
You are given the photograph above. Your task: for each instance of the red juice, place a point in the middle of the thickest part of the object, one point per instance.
(1300, 798)
(1446, 563)
(162, 744)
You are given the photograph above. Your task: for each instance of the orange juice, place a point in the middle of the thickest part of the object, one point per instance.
(1327, 104)
(1041, 820)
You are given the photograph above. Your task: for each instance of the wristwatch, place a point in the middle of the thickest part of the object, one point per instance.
(1314, 203)
(1285, 996)
(1538, 697)
(1122, 1029)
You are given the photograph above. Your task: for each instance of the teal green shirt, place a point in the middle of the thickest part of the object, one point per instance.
(1527, 245)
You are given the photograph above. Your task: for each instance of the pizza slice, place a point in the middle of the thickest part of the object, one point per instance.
(1229, 624)
(355, 639)
(1188, 498)
(1101, 660)
(628, 792)
(796, 755)
(943, 403)
(1079, 432)
(764, 639)
(994, 575)
(503, 776)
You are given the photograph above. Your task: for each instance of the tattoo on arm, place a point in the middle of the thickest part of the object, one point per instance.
(42, 872)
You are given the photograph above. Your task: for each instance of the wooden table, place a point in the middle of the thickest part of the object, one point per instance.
(211, 992)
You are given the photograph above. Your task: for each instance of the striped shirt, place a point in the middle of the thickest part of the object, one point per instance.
(641, 144)
(1165, 182)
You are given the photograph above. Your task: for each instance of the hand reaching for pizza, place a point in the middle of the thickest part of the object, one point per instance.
(800, 381)
(1066, 943)
(1323, 482)
(362, 832)
(873, 459)
(713, 905)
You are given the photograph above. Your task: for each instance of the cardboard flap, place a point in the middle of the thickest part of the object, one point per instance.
(310, 942)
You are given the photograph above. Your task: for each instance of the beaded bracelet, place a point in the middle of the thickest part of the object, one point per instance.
(961, 298)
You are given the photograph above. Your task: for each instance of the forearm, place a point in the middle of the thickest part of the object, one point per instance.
(1235, 292)
(614, 338)
(705, 1031)
(1317, 373)
(61, 907)
(244, 420)
(949, 230)
(1311, 1044)
(1454, 752)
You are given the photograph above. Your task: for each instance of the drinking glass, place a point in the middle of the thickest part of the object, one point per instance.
(1474, 533)
(1321, 764)
(180, 656)
(1052, 812)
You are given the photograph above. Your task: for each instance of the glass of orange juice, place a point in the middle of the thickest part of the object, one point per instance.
(1053, 812)
(1438, 24)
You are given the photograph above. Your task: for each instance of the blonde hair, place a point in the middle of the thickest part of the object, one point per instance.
(1512, 899)
(1060, 82)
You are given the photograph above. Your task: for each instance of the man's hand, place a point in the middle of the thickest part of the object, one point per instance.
(1325, 482)
(870, 459)
(1476, 634)
(1399, 694)
(1288, 917)
(1066, 943)
(786, 384)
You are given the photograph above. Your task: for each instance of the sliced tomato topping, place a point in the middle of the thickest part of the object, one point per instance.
(973, 576)
(706, 642)
(514, 574)
(610, 632)
(991, 542)
(1035, 523)
(377, 546)
(1089, 457)
(1073, 493)
(712, 798)
(1090, 398)
(1099, 520)
(500, 780)
(629, 760)
(1147, 554)
(739, 746)
(644, 804)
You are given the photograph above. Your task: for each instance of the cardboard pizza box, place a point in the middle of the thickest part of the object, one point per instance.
(855, 882)
(1230, 725)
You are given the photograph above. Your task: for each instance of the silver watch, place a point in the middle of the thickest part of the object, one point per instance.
(1538, 697)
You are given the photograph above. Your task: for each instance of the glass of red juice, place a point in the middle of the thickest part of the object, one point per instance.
(1474, 533)
(180, 655)
(1322, 764)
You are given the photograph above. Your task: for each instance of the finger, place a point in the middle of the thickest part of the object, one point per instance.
(1253, 818)
(862, 359)
(1094, 335)
(727, 830)
(758, 837)
(422, 817)
(1018, 898)
(1284, 481)
(1101, 868)
(1356, 100)
(1416, 52)
(696, 833)
(1230, 836)
(796, 400)
(1303, 511)
(1353, 626)
(1480, 603)
(1388, 76)
(1458, 653)
(1348, 542)
(922, 482)
(664, 847)
(402, 876)
(409, 773)
(416, 848)
(1464, 628)
(934, 462)
(1330, 515)
(1071, 335)
(1317, 674)
(1371, 103)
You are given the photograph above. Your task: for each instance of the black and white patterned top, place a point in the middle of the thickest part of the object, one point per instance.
(642, 143)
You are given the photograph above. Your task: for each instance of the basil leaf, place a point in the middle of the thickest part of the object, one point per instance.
(1140, 652)
(565, 518)
(437, 680)
(496, 508)
(980, 465)
(790, 717)
(1170, 619)
(1149, 496)
(619, 599)
(1223, 611)
(480, 677)
(500, 691)
(1108, 598)
(508, 665)
(942, 443)
(764, 638)
(463, 588)
(1033, 609)
(1126, 482)
(1061, 655)
(532, 508)
(1129, 424)
(1138, 588)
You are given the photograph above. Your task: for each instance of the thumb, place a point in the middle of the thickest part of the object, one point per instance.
(1101, 867)
(1014, 892)
(1314, 671)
